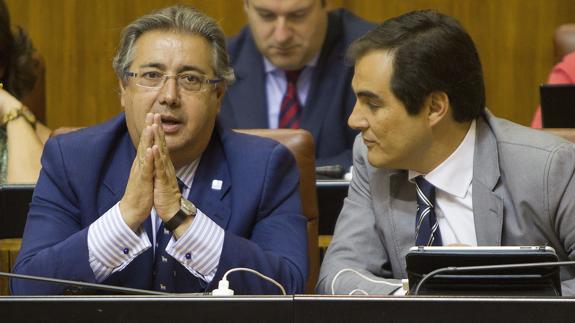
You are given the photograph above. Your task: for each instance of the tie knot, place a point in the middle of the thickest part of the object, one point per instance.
(292, 76)
(426, 189)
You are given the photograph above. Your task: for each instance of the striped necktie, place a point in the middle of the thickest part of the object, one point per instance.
(426, 227)
(290, 109)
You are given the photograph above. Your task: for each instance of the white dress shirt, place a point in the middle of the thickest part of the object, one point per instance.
(276, 85)
(453, 187)
(112, 245)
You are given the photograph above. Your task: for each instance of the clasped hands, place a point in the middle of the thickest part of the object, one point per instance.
(152, 181)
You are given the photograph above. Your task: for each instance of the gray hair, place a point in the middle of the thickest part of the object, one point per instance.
(181, 19)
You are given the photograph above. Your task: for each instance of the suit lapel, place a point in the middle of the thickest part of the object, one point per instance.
(117, 173)
(247, 96)
(487, 205)
(403, 209)
(206, 192)
(325, 77)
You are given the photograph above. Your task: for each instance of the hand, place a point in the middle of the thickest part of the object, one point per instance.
(137, 202)
(7, 102)
(166, 191)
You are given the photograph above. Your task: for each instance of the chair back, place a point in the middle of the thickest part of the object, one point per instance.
(300, 143)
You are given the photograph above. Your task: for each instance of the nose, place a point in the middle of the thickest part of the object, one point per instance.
(356, 119)
(169, 94)
(282, 31)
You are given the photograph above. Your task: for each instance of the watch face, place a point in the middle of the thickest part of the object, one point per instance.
(187, 207)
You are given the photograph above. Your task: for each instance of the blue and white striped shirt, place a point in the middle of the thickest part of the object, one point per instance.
(112, 245)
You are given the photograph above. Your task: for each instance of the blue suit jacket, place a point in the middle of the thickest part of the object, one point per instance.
(330, 99)
(85, 173)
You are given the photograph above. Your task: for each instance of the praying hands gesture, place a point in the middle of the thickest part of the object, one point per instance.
(152, 181)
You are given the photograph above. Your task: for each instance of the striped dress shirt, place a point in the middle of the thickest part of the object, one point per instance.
(112, 245)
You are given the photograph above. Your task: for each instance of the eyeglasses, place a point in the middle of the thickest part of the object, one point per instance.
(155, 80)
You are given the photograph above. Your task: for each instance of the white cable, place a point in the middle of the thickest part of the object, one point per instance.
(362, 276)
(358, 290)
(224, 281)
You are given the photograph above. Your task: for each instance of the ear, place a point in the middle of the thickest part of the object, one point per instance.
(438, 107)
(220, 91)
(122, 93)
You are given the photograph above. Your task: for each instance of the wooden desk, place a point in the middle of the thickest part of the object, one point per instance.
(8, 251)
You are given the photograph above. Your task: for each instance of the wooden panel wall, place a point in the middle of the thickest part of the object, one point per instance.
(78, 39)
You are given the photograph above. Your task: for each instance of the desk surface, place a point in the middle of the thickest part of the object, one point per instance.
(298, 308)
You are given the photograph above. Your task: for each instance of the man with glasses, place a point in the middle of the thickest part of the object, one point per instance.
(162, 197)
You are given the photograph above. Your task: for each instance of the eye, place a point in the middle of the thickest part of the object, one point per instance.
(298, 15)
(152, 75)
(373, 105)
(266, 15)
(190, 79)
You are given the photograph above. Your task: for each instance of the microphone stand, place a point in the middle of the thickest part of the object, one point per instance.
(127, 290)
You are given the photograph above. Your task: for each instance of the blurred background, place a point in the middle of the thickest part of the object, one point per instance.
(78, 38)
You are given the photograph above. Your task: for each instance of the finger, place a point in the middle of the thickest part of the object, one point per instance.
(159, 165)
(145, 143)
(149, 118)
(148, 165)
(159, 136)
(160, 141)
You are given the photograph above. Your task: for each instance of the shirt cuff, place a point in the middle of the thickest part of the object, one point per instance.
(199, 248)
(112, 245)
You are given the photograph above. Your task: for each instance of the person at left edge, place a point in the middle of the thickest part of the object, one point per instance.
(108, 196)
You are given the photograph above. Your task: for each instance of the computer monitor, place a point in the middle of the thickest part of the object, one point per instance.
(14, 204)
(330, 196)
(558, 105)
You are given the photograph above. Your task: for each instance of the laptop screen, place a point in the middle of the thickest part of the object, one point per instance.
(14, 204)
(558, 105)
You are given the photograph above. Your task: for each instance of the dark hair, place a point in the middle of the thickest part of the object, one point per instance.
(431, 53)
(16, 57)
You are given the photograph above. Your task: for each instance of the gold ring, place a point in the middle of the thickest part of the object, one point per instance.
(1, 85)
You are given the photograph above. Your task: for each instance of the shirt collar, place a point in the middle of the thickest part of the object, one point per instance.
(454, 174)
(269, 67)
(186, 173)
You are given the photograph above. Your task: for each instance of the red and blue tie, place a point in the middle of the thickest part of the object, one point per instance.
(290, 110)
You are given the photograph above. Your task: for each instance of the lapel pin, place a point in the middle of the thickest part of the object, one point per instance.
(216, 184)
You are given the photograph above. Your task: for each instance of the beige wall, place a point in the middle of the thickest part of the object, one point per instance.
(78, 38)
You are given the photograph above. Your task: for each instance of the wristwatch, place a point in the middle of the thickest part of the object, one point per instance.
(187, 209)
(22, 111)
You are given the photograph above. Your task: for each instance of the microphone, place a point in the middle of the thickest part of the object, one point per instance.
(330, 171)
(125, 290)
(488, 267)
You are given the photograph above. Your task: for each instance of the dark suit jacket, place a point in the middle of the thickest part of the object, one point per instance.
(330, 99)
(85, 173)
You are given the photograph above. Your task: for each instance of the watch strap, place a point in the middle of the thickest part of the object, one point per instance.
(176, 220)
(187, 209)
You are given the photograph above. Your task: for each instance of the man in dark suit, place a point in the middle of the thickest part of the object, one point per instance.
(292, 56)
(110, 205)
